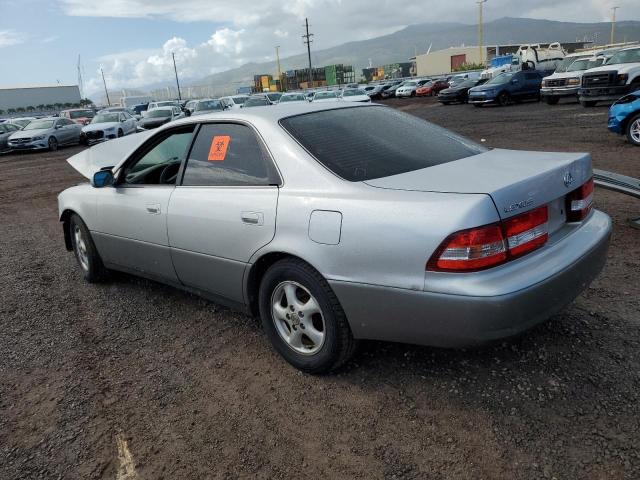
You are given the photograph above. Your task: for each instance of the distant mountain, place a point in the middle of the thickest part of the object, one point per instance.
(403, 44)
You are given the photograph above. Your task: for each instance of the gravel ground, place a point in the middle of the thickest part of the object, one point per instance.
(135, 380)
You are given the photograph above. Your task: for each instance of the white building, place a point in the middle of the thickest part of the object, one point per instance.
(17, 97)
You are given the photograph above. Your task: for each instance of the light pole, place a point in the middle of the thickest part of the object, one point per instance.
(279, 71)
(173, 55)
(480, 32)
(613, 23)
(106, 92)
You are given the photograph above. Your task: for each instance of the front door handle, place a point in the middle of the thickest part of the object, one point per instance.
(252, 218)
(153, 208)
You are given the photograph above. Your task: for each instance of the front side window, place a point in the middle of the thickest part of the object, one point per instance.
(500, 79)
(359, 144)
(625, 56)
(158, 162)
(228, 154)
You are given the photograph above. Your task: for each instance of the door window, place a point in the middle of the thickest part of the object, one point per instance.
(158, 162)
(228, 154)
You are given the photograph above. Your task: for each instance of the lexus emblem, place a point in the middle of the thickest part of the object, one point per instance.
(568, 179)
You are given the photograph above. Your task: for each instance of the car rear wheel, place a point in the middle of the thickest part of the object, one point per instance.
(85, 251)
(53, 144)
(633, 131)
(303, 318)
(504, 98)
(551, 100)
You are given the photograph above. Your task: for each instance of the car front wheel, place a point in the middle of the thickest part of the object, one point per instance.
(303, 318)
(53, 144)
(85, 251)
(633, 131)
(504, 98)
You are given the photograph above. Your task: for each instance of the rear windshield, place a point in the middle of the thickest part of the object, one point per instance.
(372, 142)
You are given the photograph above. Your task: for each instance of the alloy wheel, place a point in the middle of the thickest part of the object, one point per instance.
(81, 248)
(298, 318)
(634, 131)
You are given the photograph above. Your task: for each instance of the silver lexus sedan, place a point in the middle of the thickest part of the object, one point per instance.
(339, 222)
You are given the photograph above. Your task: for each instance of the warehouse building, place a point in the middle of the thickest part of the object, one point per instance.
(393, 70)
(23, 97)
(450, 59)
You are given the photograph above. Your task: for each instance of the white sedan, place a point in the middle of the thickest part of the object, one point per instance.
(108, 125)
(355, 95)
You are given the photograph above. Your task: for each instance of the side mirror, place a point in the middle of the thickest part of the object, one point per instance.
(102, 178)
(514, 80)
(58, 127)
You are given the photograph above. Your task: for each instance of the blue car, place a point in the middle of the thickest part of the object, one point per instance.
(508, 87)
(624, 117)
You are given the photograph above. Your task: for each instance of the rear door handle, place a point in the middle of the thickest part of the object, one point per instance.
(252, 218)
(153, 208)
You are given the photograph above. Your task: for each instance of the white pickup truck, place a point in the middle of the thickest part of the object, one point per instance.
(565, 81)
(607, 83)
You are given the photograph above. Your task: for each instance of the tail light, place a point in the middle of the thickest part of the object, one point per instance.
(490, 245)
(579, 202)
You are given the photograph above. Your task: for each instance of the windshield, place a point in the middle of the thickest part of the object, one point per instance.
(500, 79)
(292, 98)
(325, 95)
(156, 113)
(106, 117)
(256, 102)
(274, 97)
(566, 63)
(22, 123)
(239, 100)
(467, 84)
(39, 125)
(625, 56)
(357, 143)
(409, 84)
(353, 92)
(81, 114)
(208, 105)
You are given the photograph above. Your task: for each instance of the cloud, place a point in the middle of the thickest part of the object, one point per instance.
(50, 39)
(246, 31)
(11, 37)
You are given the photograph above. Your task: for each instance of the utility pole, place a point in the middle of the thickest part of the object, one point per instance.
(173, 55)
(279, 70)
(480, 27)
(307, 42)
(106, 92)
(613, 24)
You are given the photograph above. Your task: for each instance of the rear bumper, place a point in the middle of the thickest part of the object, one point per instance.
(478, 316)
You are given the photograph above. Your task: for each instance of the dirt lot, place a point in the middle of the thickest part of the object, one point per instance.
(132, 379)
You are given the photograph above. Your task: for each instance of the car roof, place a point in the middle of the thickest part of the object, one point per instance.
(168, 107)
(271, 113)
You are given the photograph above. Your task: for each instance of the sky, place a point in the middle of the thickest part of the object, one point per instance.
(132, 40)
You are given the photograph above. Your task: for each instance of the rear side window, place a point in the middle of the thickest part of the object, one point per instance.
(228, 154)
(364, 143)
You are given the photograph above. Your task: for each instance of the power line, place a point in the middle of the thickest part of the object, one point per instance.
(307, 41)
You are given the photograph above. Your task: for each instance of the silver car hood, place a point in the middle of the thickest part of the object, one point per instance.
(514, 179)
(100, 126)
(109, 154)
(30, 133)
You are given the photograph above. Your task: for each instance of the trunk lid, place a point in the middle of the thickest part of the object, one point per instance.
(516, 180)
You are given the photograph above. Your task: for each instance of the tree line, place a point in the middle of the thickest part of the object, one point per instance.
(49, 107)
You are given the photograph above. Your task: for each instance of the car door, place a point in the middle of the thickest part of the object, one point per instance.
(224, 210)
(533, 82)
(131, 227)
(63, 132)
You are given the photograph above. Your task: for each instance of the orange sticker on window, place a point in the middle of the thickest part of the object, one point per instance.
(218, 150)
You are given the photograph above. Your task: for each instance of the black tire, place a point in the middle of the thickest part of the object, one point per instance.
(83, 140)
(551, 100)
(630, 124)
(53, 144)
(413, 94)
(120, 133)
(588, 103)
(477, 105)
(446, 103)
(338, 345)
(503, 99)
(94, 270)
